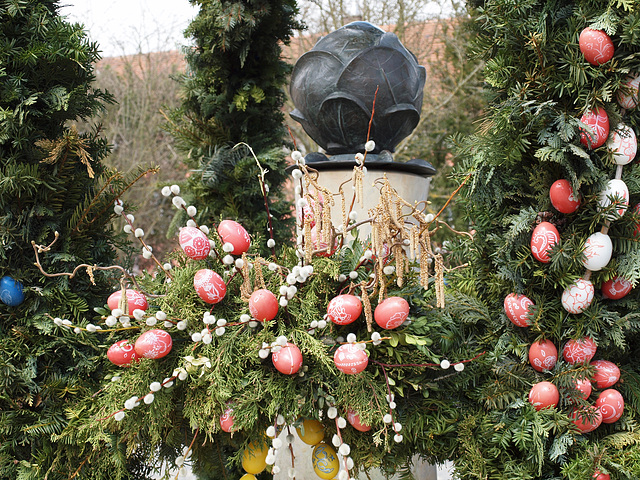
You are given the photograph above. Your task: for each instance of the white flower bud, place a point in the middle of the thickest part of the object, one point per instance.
(429, 217)
(296, 156)
(181, 325)
(111, 321)
(397, 426)
(196, 336)
(178, 202)
(291, 279)
(91, 328)
(221, 322)
(220, 331)
(272, 267)
(392, 405)
(244, 318)
(271, 431)
(349, 463)
(182, 375)
(277, 443)
(313, 324)
(263, 353)
(207, 339)
(131, 403)
(351, 338)
(370, 146)
(388, 270)
(280, 420)
(204, 229)
(332, 412)
(397, 438)
(296, 173)
(271, 243)
(239, 263)
(118, 209)
(146, 253)
(57, 321)
(281, 340)
(253, 323)
(361, 346)
(139, 233)
(283, 302)
(118, 416)
(322, 323)
(458, 367)
(168, 324)
(160, 315)
(167, 266)
(275, 469)
(175, 189)
(191, 210)
(179, 461)
(353, 215)
(444, 364)
(166, 191)
(343, 475)
(127, 228)
(387, 418)
(353, 275)
(131, 218)
(191, 223)
(228, 260)
(155, 386)
(292, 472)
(336, 440)
(148, 398)
(344, 449)
(342, 423)
(291, 291)
(151, 321)
(227, 247)
(270, 459)
(166, 383)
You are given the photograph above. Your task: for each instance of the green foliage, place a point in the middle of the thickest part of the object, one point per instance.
(530, 137)
(233, 92)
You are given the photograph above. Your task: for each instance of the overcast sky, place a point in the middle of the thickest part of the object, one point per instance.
(132, 26)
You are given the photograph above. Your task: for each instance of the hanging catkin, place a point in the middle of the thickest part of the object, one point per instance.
(308, 241)
(245, 288)
(257, 268)
(439, 268)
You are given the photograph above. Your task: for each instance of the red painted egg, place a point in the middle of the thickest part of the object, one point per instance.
(543, 355)
(122, 353)
(616, 288)
(544, 395)
(135, 300)
(344, 309)
(607, 373)
(578, 296)
(562, 197)
(153, 344)
(596, 46)
(350, 359)
(226, 420)
(628, 93)
(543, 238)
(518, 308)
(194, 242)
(598, 122)
(624, 145)
(584, 387)
(579, 351)
(601, 476)
(354, 420)
(288, 359)
(391, 313)
(235, 234)
(611, 404)
(581, 418)
(263, 305)
(209, 286)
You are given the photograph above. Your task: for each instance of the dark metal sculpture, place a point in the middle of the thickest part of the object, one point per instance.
(333, 87)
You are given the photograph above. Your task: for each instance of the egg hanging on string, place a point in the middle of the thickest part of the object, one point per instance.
(598, 122)
(543, 238)
(596, 46)
(616, 193)
(310, 431)
(391, 313)
(235, 234)
(597, 251)
(254, 457)
(628, 94)
(518, 308)
(562, 196)
(623, 144)
(226, 420)
(194, 243)
(616, 288)
(354, 420)
(350, 359)
(607, 373)
(325, 461)
(11, 291)
(122, 353)
(209, 286)
(288, 359)
(578, 296)
(263, 305)
(135, 301)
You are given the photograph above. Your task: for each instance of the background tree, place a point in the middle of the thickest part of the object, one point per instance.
(233, 92)
(532, 136)
(51, 180)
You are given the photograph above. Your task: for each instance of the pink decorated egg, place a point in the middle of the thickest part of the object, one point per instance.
(543, 355)
(235, 234)
(587, 419)
(584, 387)
(607, 373)
(543, 238)
(597, 251)
(319, 244)
(263, 305)
(628, 94)
(135, 300)
(544, 395)
(596, 46)
(518, 308)
(194, 242)
(209, 286)
(623, 144)
(122, 353)
(597, 122)
(153, 344)
(617, 194)
(288, 359)
(616, 288)
(391, 313)
(562, 197)
(226, 420)
(306, 213)
(354, 420)
(601, 476)
(350, 359)
(578, 296)
(579, 351)
(344, 309)
(611, 404)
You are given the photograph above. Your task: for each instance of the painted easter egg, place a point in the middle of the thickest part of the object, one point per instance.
(263, 305)
(597, 251)
(616, 288)
(11, 291)
(543, 355)
(597, 122)
(235, 234)
(596, 46)
(135, 300)
(607, 373)
(154, 343)
(623, 143)
(350, 359)
(325, 461)
(611, 404)
(194, 242)
(543, 238)
(562, 196)
(288, 359)
(391, 313)
(601, 476)
(617, 194)
(310, 431)
(344, 309)
(587, 419)
(122, 353)
(209, 286)
(578, 296)
(226, 420)
(254, 457)
(544, 395)
(628, 94)
(579, 351)
(518, 308)
(584, 387)
(354, 420)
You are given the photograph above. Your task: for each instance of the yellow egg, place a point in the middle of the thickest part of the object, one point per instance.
(254, 457)
(325, 461)
(248, 476)
(311, 432)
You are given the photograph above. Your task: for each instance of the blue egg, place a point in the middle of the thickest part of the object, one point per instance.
(11, 291)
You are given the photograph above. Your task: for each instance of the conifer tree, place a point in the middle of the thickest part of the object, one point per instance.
(551, 90)
(52, 186)
(233, 92)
